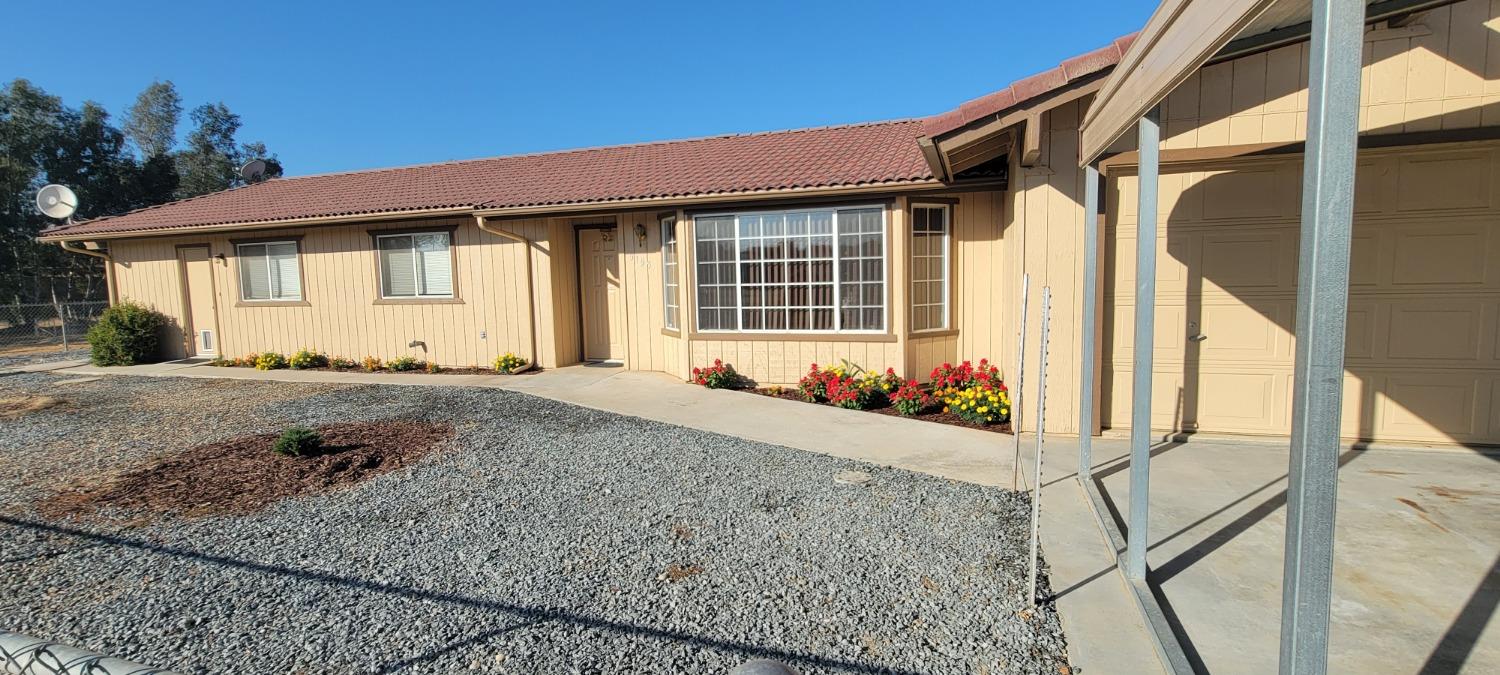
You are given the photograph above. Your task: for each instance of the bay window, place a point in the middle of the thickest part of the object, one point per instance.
(669, 271)
(805, 270)
(929, 267)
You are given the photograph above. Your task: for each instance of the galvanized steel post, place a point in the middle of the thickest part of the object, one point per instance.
(1322, 308)
(1145, 340)
(1086, 356)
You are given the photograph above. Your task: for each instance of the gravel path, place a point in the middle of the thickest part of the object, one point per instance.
(544, 538)
(28, 358)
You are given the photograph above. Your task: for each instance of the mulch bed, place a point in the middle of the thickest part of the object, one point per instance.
(244, 475)
(937, 417)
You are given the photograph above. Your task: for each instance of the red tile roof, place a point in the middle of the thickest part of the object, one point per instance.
(1028, 88)
(860, 154)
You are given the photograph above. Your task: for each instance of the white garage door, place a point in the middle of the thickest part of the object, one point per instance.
(1423, 361)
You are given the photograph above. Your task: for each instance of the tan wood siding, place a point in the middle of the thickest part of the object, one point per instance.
(1441, 72)
(340, 316)
(1423, 357)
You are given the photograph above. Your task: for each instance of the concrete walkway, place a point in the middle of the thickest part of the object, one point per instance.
(1097, 612)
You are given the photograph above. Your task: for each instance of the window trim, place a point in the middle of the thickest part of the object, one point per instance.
(671, 302)
(239, 294)
(381, 299)
(838, 334)
(947, 323)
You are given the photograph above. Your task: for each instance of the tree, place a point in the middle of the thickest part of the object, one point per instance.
(211, 160)
(152, 122)
(43, 141)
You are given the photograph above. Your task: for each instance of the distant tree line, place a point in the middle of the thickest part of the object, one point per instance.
(113, 169)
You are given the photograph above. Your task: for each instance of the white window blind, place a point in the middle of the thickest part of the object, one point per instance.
(269, 271)
(812, 270)
(416, 265)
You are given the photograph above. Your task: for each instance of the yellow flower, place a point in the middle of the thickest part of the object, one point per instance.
(983, 409)
(945, 408)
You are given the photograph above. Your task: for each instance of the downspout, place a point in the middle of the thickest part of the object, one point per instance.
(531, 358)
(109, 268)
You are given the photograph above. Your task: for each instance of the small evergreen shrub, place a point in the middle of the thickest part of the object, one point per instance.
(341, 363)
(405, 363)
(270, 361)
(307, 359)
(298, 441)
(371, 364)
(434, 368)
(508, 362)
(126, 334)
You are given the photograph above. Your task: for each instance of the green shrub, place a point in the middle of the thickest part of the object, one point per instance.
(508, 362)
(341, 363)
(298, 442)
(434, 368)
(307, 359)
(270, 361)
(372, 364)
(126, 334)
(405, 363)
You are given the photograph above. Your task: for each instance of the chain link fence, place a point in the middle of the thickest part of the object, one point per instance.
(47, 327)
(25, 655)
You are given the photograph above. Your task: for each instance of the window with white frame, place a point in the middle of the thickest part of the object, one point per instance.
(669, 271)
(806, 270)
(269, 271)
(929, 267)
(417, 265)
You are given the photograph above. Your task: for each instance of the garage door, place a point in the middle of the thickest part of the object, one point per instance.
(1423, 361)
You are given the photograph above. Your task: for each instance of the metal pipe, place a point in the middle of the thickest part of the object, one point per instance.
(1087, 349)
(1145, 340)
(1322, 311)
(531, 357)
(109, 268)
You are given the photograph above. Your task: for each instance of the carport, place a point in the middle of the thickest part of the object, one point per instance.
(1181, 37)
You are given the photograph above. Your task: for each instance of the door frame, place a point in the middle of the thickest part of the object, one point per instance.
(578, 228)
(189, 346)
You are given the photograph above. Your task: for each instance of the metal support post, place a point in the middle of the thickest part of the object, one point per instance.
(1086, 357)
(1322, 310)
(1145, 340)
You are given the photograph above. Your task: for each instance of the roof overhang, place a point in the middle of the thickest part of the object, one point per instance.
(1015, 130)
(1184, 35)
(570, 209)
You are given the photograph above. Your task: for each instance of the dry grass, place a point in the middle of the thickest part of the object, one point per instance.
(16, 406)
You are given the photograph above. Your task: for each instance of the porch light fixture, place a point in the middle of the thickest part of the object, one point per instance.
(640, 234)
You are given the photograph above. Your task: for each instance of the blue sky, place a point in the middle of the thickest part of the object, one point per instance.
(333, 86)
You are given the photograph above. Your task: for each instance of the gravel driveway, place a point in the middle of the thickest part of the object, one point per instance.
(544, 537)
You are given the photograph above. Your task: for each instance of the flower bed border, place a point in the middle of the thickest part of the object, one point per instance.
(949, 419)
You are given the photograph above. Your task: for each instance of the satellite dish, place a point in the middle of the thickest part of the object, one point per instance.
(56, 201)
(253, 171)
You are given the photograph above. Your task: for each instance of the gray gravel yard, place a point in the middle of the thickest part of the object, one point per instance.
(542, 538)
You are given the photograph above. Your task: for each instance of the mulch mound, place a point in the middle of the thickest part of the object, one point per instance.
(244, 475)
(936, 417)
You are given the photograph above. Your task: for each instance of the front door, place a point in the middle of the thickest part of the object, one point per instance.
(198, 297)
(603, 308)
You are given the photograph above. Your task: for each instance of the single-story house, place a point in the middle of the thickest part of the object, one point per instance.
(902, 244)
